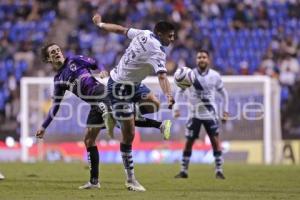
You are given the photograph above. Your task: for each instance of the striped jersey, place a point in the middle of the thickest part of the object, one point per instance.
(202, 94)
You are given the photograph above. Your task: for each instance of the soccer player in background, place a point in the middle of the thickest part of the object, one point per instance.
(74, 75)
(144, 55)
(2, 176)
(203, 112)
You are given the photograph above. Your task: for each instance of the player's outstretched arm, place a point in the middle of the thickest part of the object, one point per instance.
(97, 19)
(52, 112)
(166, 88)
(58, 96)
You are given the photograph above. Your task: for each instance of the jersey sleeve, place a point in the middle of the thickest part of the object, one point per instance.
(132, 32)
(219, 83)
(87, 61)
(158, 61)
(58, 96)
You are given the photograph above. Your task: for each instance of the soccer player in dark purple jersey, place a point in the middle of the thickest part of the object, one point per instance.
(74, 75)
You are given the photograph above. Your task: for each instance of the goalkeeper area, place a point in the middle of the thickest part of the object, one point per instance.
(60, 181)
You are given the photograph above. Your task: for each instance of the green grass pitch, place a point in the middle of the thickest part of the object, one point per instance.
(59, 181)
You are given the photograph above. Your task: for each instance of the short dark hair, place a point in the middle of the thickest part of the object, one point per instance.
(163, 27)
(203, 51)
(44, 51)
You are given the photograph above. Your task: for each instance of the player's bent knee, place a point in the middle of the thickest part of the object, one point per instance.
(89, 138)
(149, 106)
(89, 142)
(157, 105)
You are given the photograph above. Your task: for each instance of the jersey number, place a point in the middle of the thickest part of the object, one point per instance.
(130, 56)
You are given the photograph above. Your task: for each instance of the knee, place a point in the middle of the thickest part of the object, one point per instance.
(127, 128)
(153, 102)
(89, 141)
(154, 106)
(128, 138)
(157, 105)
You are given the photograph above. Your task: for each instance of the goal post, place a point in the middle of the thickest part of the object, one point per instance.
(242, 137)
(26, 82)
(271, 136)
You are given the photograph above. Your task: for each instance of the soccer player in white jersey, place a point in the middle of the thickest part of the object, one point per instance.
(203, 112)
(144, 55)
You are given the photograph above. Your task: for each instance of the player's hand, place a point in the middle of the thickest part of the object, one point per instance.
(97, 19)
(40, 133)
(176, 114)
(225, 117)
(171, 102)
(103, 74)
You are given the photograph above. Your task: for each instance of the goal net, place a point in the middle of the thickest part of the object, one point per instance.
(252, 135)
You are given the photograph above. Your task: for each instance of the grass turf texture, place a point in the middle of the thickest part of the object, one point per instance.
(59, 181)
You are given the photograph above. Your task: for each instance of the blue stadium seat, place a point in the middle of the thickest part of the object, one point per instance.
(9, 64)
(284, 96)
(3, 73)
(43, 26)
(49, 16)
(38, 37)
(228, 14)
(22, 65)
(2, 100)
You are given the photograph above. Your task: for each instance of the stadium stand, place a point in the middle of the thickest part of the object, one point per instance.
(24, 25)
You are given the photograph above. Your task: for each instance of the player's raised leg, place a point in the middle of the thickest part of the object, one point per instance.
(93, 158)
(150, 104)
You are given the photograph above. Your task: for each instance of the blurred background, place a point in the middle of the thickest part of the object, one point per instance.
(259, 37)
